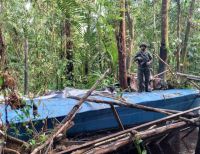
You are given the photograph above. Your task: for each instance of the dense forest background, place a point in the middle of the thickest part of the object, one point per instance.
(51, 44)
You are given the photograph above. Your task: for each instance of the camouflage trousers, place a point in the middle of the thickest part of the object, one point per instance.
(143, 76)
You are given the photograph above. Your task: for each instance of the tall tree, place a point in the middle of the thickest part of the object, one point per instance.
(121, 44)
(178, 36)
(164, 37)
(69, 49)
(187, 33)
(130, 27)
(26, 66)
(2, 50)
(2, 43)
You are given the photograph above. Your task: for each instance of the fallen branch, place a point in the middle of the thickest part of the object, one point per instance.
(166, 65)
(130, 105)
(192, 77)
(10, 151)
(117, 143)
(13, 139)
(64, 126)
(157, 75)
(194, 84)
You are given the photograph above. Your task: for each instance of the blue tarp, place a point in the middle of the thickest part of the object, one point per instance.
(57, 106)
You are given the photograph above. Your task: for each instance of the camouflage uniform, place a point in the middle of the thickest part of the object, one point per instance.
(142, 57)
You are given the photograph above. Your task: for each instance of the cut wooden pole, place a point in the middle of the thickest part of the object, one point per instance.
(194, 84)
(128, 139)
(117, 117)
(157, 75)
(191, 114)
(188, 115)
(152, 108)
(188, 76)
(166, 65)
(65, 125)
(130, 105)
(129, 130)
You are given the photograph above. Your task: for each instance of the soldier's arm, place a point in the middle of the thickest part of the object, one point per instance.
(137, 56)
(150, 58)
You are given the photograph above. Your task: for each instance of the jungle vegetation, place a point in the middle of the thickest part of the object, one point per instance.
(51, 44)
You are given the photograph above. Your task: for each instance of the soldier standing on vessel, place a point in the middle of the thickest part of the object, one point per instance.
(144, 60)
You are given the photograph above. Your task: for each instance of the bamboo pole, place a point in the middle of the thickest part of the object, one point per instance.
(128, 130)
(65, 125)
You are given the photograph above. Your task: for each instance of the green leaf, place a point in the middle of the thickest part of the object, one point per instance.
(1, 81)
(144, 152)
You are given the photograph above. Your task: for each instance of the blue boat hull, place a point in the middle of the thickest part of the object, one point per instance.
(94, 117)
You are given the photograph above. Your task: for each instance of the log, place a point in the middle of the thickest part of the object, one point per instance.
(128, 130)
(117, 143)
(65, 125)
(192, 77)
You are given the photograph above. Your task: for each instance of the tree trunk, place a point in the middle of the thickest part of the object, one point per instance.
(178, 36)
(156, 41)
(121, 44)
(87, 39)
(2, 44)
(130, 25)
(187, 32)
(69, 50)
(26, 67)
(164, 37)
(2, 50)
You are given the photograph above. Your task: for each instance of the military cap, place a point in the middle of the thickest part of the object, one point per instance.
(143, 45)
